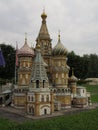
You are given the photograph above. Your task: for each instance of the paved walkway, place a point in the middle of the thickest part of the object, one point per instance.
(19, 116)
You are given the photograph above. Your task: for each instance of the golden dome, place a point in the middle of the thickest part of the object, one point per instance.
(59, 49)
(44, 15)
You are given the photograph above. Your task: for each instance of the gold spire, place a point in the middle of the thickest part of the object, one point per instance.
(44, 15)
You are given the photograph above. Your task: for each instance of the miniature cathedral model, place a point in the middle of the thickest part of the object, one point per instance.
(44, 85)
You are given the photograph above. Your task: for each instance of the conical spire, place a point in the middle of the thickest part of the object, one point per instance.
(39, 71)
(43, 33)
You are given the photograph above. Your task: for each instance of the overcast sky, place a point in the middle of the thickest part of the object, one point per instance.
(76, 19)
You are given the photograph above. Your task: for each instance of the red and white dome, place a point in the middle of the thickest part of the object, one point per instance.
(25, 50)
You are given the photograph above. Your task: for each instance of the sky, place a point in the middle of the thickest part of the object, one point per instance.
(77, 21)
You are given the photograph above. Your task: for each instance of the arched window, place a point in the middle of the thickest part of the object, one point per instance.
(42, 98)
(56, 75)
(24, 64)
(31, 110)
(62, 75)
(43, 83)
(28, 98)
(47, 98)
(32, 98)
(37, 83)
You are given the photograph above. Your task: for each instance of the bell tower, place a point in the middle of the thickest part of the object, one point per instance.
(44, 40)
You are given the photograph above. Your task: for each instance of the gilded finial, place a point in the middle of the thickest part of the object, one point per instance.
(38, 46)
(25, 38)
(43, 10)
(44, 14)
(59, 35)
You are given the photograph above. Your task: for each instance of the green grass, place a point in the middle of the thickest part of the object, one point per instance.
(93, 89)
(94, 98)
(5, 124)
(81, 121)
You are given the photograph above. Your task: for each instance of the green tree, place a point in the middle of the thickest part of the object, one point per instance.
(8, 71)
(93, 66)
(85, 66)
(74, 61)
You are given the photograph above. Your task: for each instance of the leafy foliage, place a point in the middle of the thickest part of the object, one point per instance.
(84, 66)
(8, 71)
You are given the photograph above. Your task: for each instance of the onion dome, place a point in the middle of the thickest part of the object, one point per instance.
(44, 15)
(73, 78)
(26, 50)
(59, 49)
(43, 33)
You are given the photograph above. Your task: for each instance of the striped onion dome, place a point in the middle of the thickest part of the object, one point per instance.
(73, 78)
(59, 49)
(25, 50)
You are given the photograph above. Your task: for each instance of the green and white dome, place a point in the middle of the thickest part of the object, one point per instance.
(59, 49)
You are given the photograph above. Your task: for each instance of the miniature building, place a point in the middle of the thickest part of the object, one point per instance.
(44, 84)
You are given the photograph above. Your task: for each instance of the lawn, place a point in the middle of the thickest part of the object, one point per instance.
(93, 89)
(81, 121)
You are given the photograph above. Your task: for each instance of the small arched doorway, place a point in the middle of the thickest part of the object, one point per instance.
(45, 111)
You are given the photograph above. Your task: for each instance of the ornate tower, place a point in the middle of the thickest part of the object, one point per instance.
(73, 83)
(25, 56)
(39, 96)
(39, 77)
(44, 41)
(60, 68)
(43, 38)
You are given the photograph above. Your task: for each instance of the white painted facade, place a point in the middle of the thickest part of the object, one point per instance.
(45, 109)
(81, 91)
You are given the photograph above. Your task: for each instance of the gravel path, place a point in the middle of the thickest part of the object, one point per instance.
(12, 116)
(20, 116)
